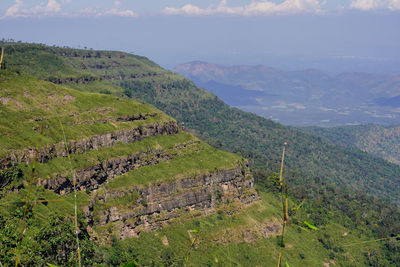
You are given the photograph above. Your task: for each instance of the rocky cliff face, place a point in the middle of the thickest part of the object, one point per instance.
(90, 178)
(150, 207)
(94, 142)
(129, 210)
(156, 204)
(134, 168)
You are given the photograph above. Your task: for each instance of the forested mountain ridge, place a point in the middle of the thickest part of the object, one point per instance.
(317, 171)
(231, 129)
(381, 141)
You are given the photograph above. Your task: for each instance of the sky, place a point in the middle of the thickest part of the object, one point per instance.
(334, 36)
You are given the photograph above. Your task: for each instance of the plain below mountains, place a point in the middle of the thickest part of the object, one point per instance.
(301, 98)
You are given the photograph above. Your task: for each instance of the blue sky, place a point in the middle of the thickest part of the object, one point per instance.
(335, 36)
(135, 8)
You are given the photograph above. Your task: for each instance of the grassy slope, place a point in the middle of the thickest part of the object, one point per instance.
(234, 130)
(378, 140)
(62, 165)
(255, 138)
(223, 239)
(28, 104)
(188, 164)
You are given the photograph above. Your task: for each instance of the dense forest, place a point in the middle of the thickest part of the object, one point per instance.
(381, 141)
(260, 140)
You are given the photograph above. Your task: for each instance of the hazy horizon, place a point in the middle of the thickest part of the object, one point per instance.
(290, 35)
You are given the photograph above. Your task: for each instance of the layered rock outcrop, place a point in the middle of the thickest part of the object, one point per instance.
(91, 177)
(156, 204)
(49, 152)
(133, 209)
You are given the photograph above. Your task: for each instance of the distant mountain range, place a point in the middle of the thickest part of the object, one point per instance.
(302, 98)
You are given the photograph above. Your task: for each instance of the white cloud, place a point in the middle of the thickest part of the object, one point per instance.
(117, 12)
(88, 11)
(53, 7)
(121, 13)
(254, 8)
(375, 4)
(394, 5)
(13, 10)
(18, 9)
(94, 12)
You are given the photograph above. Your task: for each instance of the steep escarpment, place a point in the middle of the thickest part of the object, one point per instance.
(90, 177)
(128, 161)
(84, 145)
(139, 175)
(309, 158)
(157, 203)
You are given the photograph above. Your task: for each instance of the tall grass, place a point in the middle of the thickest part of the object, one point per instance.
(74, 185)
(31, 199)
(27, 199)
(2, 55)
(284, 199)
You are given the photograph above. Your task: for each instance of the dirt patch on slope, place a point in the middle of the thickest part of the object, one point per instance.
(4, 100)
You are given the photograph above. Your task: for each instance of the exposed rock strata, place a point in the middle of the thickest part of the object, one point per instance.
(148, 207)
(136, 117)
(157, 204)
(88, 79)
(90, 178)
(94, 142)
(82, 80)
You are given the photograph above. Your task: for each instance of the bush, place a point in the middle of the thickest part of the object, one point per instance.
(144, 202)
(279, 241)
(218, 195)
(53, 241)
(168, 257)
(128, 93)
(105, 91)
(9, 175)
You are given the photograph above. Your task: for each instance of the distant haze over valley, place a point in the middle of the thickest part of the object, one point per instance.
(302, 98)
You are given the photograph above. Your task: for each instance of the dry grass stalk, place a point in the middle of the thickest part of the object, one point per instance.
(284, 199)
(27, 200)
(2, 55)
(74, 185)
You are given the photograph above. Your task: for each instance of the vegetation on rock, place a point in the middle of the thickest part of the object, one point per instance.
(342, 189)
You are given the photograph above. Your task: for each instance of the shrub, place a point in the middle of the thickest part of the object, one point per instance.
(9, 175)
(105, 91)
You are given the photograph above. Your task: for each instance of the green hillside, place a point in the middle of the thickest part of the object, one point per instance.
(248, 237)
(117, 202)
(119, 152)
(230, 129)
(377, 140)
